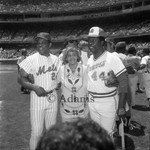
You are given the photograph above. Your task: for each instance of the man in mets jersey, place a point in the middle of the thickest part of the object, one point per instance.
(43, 98)
(103, 68)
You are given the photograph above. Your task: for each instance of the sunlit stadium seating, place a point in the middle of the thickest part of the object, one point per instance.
(54, 5)
(114, 30)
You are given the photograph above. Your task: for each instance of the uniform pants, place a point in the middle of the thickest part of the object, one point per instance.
(103, 111)
(146, 78)
(133, 80)
(40, 117)
(140, 79)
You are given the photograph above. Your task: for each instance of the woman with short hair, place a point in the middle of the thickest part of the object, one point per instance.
(73, 78)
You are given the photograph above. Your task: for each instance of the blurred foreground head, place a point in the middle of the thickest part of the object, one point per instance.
(79, 135)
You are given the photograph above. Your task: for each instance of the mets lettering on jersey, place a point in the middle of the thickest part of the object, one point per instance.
(98, 72)
(44, 70)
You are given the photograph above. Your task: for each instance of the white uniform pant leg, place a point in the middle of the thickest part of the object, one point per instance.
(37, 122)
(104, 112)
(51, 114)
(140, 79)
(133, 80)
(146, 78)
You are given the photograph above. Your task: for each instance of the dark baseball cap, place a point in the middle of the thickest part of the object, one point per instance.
(120, 44)
(44, 35)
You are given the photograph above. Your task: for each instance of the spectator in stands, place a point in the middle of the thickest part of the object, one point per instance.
(79, 135)
(4, 54)
(1, 49)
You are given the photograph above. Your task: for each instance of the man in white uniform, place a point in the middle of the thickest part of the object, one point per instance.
(145, 65)
(103, 65)
(43, 98)
(132, 64)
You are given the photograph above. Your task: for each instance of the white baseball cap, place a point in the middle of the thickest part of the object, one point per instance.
(96, 32)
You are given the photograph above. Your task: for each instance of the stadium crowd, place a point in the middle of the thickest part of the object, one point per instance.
(13, 53)
(116, 30)
(54, 5)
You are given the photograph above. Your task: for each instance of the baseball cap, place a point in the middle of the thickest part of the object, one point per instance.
(96, 32)
(44, 35)
(120, 44)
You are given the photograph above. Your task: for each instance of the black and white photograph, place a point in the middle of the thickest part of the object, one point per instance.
(74, 75)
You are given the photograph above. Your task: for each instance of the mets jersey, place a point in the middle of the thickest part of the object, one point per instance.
(44, 70)
(98, 71)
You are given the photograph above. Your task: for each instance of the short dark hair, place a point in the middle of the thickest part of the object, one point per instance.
(70, 39)
(120, 47)
(24, 52)
(131, 50)
(84, 134)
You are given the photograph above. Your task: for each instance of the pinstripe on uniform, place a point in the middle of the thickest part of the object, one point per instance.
(44, 70)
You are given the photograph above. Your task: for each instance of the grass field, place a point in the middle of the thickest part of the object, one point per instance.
(15, 123)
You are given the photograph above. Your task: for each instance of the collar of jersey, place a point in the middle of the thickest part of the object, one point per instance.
(45, 56)
(99, 56)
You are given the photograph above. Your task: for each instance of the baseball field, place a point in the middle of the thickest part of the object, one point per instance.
(15, 117)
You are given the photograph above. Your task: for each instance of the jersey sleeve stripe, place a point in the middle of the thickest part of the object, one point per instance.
(103, 96)
(120, 72)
